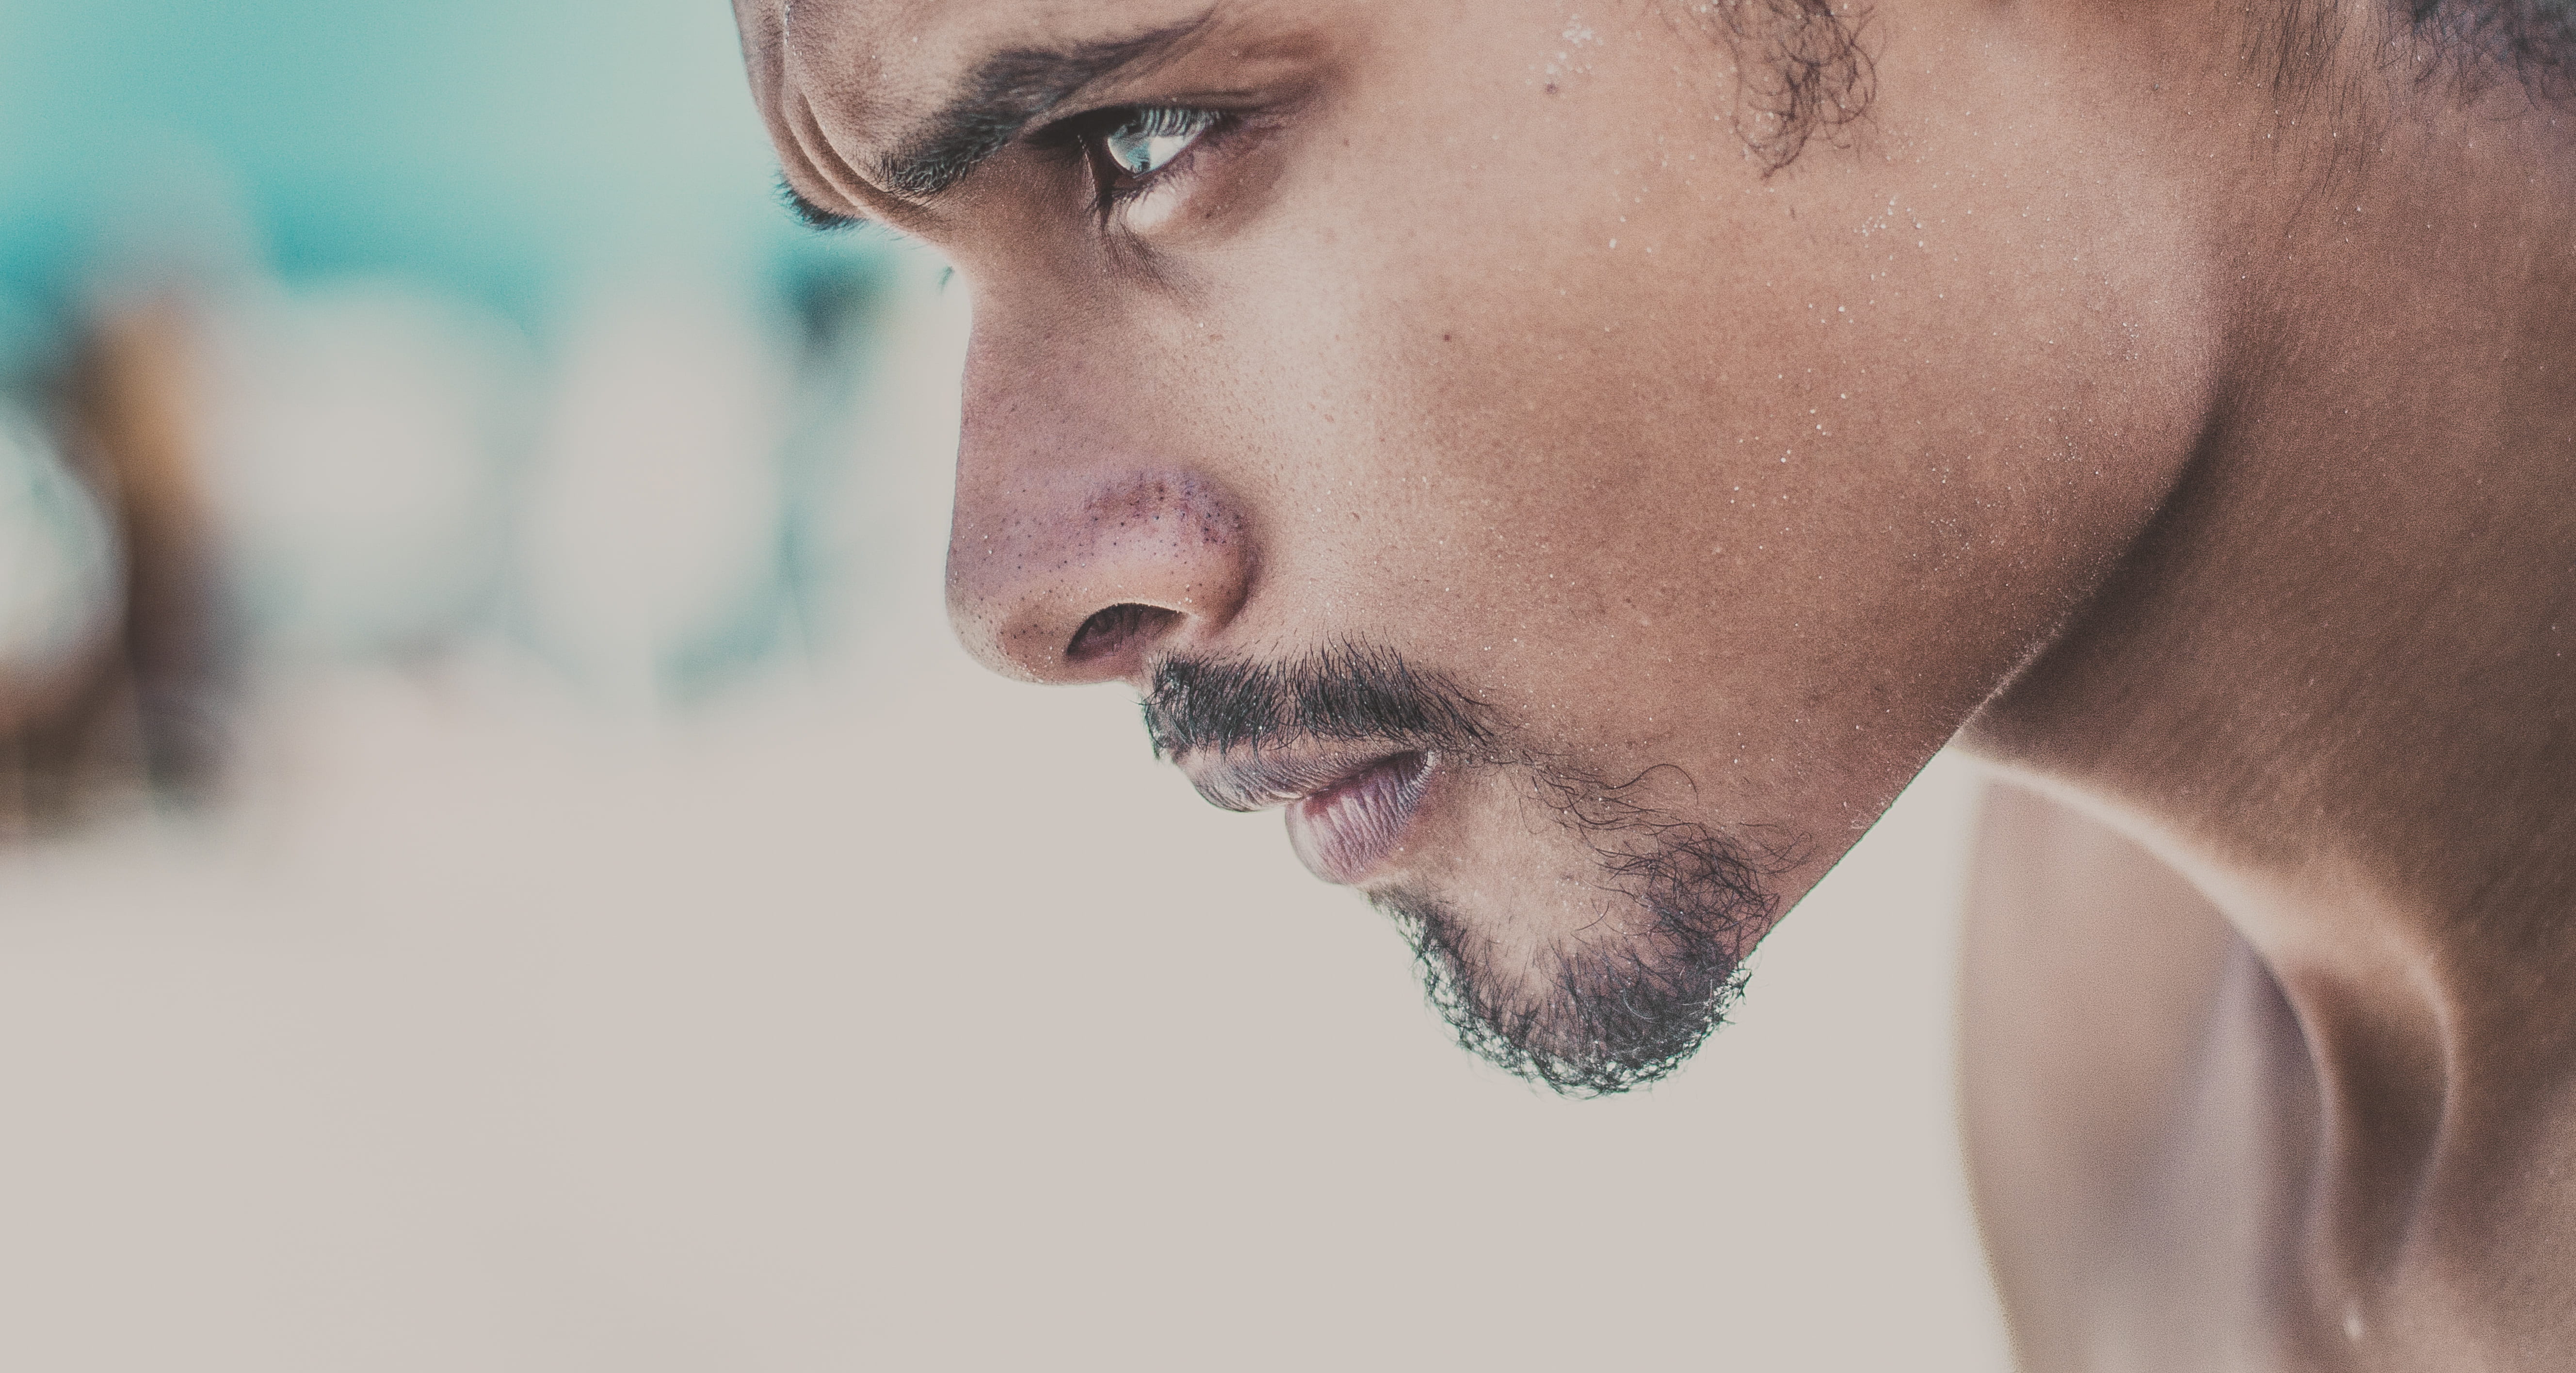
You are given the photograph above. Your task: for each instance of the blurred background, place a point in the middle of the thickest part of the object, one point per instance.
(502, 866)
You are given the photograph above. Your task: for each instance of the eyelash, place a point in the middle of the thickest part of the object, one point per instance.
(1113, 185)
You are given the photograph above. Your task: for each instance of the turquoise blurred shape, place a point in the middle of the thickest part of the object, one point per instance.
(506, 151)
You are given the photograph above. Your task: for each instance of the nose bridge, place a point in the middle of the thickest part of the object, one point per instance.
(1081, 538)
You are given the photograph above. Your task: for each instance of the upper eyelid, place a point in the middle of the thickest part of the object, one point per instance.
(1065, 132)
(1067, 128)
(1238, 113)
(1079, 133)
(1073, 128)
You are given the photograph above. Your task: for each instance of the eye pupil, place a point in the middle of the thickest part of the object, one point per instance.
(1147, 140)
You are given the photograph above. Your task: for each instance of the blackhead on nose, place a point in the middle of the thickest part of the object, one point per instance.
(1079, 574)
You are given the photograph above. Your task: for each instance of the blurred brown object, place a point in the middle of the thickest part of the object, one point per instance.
(142, 719)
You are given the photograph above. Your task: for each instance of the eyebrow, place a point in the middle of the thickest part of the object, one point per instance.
(1003, 95)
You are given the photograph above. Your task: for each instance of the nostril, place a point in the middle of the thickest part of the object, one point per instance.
(1119, 629)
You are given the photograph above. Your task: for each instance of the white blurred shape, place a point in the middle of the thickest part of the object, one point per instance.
(655, 505)
(355, 439)
(59, 575)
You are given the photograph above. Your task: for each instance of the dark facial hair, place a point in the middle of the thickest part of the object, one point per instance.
(1613, 1011)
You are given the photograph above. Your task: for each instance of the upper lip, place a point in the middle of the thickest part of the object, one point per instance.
(1262, 777)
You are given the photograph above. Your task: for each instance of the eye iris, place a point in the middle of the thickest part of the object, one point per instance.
(1151, 138)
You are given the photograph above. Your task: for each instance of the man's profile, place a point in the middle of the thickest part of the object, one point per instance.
(1581, 463)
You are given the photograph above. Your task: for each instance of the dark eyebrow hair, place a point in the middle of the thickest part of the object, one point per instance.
(1002, 96)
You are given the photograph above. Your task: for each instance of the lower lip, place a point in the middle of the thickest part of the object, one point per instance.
(1343, 833)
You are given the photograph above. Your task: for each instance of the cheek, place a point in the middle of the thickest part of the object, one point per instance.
(1778, 501)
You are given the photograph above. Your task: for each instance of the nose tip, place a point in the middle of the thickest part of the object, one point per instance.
(1080, 577)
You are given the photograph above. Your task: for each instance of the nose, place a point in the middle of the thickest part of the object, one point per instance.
(1081, 574)
(1075, 555)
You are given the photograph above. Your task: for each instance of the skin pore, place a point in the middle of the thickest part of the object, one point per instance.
(2173, 399)
(1360, 368)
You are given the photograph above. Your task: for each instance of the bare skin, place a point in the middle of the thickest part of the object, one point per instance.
(2184, 427)
(2331, 687)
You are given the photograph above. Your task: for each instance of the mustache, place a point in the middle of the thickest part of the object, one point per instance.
(1345, 692)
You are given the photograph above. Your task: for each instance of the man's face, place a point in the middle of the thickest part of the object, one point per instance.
(1465, 437)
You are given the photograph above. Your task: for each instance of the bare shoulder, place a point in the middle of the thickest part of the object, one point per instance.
(2128, 1081)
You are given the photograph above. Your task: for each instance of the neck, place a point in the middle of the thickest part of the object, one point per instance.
(2335, 678)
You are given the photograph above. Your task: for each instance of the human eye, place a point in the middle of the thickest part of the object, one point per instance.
(1131, 147)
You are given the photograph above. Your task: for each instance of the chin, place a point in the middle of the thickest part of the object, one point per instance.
(1589, 943)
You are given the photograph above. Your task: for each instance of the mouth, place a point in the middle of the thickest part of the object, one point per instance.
(1345, 817)
(1341, 833)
